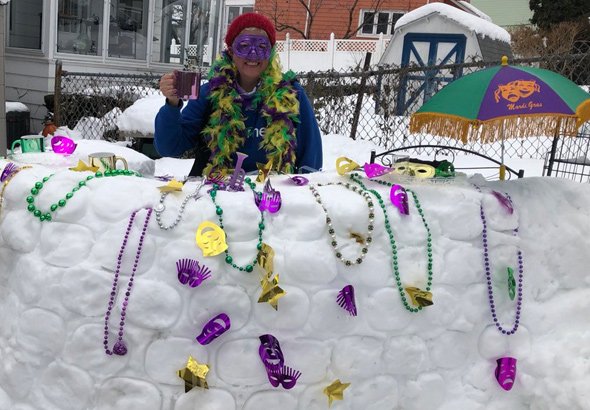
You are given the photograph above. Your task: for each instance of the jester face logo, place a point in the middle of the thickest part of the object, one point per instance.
(515, 90)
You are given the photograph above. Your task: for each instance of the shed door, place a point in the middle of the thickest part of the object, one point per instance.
(428, 50)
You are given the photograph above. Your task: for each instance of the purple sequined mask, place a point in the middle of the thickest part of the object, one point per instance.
(252, 47)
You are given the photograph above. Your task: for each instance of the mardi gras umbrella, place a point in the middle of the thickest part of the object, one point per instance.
(504, 101)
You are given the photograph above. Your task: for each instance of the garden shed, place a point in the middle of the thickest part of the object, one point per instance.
(439, 34)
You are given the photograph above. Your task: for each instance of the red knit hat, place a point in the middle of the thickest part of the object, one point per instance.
(250, 20)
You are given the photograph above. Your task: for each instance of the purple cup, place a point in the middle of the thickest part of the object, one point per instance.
(187, 84)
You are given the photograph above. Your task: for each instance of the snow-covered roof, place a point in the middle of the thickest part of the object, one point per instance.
(4, 2)
(478, 25)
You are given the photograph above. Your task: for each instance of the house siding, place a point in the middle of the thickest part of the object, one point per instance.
(506, 12)
(331, 17)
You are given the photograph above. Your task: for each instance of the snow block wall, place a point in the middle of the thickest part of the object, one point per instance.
(56, 279)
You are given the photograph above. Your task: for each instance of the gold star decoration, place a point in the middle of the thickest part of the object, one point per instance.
(171, 186)
(420, 297)
(335, 391)
(358, 238)
(271, 291)
(194, 375)
(265, 259)
(263, 171)
(83, 167)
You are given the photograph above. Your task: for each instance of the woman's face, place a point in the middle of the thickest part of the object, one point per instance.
(250, 53)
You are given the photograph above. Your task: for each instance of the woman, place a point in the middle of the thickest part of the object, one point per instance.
(247, 106)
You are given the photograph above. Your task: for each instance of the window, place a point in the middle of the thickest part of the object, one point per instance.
(128, 29)
(79, 27)
(374, 23)
(25, 24)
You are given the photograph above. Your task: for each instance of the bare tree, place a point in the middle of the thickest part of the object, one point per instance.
(530, 41)
(279, 14)
(351, 28)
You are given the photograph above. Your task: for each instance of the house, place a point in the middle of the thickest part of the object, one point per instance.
(356, 20)
(506, 13)
(118, 36)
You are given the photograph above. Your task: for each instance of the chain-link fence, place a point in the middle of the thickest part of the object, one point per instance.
(372, 104)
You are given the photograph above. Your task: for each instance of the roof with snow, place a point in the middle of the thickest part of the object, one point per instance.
(480, 26)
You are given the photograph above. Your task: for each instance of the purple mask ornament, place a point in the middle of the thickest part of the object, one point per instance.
(299, 180)
(506, 372)
(214, 328)
(270, 353)
(252, 47)
(284, 376)
(62, 145)
(8, 170)
(236, 182)
(504, 201)
(191, 273)
(376, 170)
(346, 300)
(399, 199)
(270, 199)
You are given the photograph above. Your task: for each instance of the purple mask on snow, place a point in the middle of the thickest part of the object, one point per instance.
(252, 47)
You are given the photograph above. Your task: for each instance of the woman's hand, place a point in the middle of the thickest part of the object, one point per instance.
(168, 88)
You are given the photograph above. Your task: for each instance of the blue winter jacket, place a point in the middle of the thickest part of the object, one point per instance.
(178, 131)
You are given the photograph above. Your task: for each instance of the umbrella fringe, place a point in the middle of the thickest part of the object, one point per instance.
(494, 130)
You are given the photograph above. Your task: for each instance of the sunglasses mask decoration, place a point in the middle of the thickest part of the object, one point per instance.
(252, 47)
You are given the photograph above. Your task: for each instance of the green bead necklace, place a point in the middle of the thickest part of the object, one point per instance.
(46, 215)
(219, 211)
(356, 178)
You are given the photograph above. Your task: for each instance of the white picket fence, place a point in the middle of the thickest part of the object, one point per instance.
(311, 55)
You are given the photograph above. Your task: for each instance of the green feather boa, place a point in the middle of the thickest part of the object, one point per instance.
(277, 100)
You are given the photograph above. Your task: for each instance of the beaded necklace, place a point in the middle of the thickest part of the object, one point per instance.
(488, 272)
(119, 348)
(369, 236)
(160, 208)
(356, 178)
(219, 211)
(46, 215)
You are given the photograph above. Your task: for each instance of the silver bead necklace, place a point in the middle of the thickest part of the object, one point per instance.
(160, 208)
(367, 239)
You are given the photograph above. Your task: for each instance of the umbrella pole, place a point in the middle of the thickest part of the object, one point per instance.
(502, 165)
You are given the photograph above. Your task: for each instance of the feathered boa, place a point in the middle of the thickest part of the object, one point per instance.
(277, 100)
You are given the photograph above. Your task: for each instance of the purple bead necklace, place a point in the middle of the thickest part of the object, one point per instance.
(489, 275)
(119, 347)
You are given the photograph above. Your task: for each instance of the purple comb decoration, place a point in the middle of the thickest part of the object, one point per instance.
(285, 376)
(270, 199)
(376, 170)
(191, 273)
(346, 300)
(399, 199)
(270, 353)
(299, 180)
(9, 169)
(506, 372)
(216, 177)
(214, 328)
(504, 201)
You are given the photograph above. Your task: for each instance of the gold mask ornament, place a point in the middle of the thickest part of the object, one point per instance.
(345, 165)
(414, 169)
(210, 239)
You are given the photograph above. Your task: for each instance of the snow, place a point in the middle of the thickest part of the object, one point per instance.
(479, 25)
(2, 2)
(56, 277)
(15, 106)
